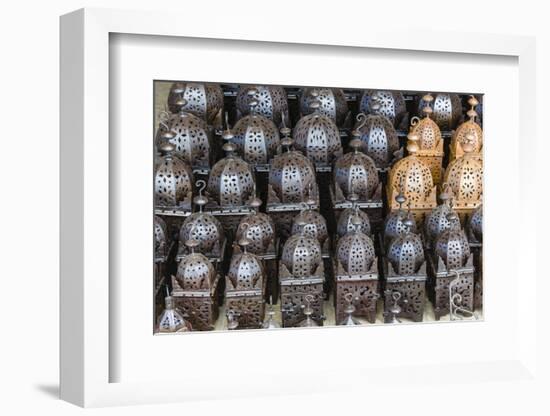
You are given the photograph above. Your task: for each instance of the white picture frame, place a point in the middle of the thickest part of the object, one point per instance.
(87, 294)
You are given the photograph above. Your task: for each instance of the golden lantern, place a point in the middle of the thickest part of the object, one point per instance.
(470, 127)
(430, 141)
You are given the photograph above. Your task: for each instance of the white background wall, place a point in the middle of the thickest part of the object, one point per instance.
(29, 172)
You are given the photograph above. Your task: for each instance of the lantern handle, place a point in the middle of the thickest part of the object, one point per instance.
(201, 185)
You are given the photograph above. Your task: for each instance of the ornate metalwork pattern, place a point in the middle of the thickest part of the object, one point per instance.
(161, 239)
(195, 272)
(394, 226)
(173, 178)
(171, 320)
(311, 224)
(301, 255)
(427, 130)
(406, 254)
(468, 131)
(272, 101)
(355, 251)
(355, 173)
(333, 103)
(392, 105)
(259, 229)
(410, 302)
(447, 110)
(453, 248)
(476, 223)
(245, 272)
(437, 221)
(346, 218)
(465, 177)
(378, 137)
(292, 177)
(203, 100)
(205, 229)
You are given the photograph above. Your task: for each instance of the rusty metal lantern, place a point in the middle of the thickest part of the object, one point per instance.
(311, 224)
(378, 136)
(301, 255)
(170, 320)
(162, 239)
(173, 180)
(256, 136)
(203, 228)
(469, 128)
(333, 103)
(430, 140)
(452, 245)
(391, 105)
(405, 253)
(272, 101)
(447, 110)
(245, 287)
(317, 136)
(188, 133)
(195, 288)
(437, 221)
(395, 225)
(355, 251)
(476, 223)
(349, 215)
(259, 229)
(203, 100)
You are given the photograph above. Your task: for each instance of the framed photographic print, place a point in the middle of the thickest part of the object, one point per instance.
(295, 211)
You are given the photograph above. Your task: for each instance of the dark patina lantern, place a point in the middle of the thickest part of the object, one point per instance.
(256, 136)
(349, 216)
(190, 135)
(470, 129)
(451, 255)
(173, 183)
(332, 101)
(395, 226)
(301, 273)
(437, 221)
(430, 140)
(203, 100)
(317, 136)
(245, 287)
(170, 320)
(447, 109)
(356, 274)
(195, 289)
(162, 249)
(391, 105)
(475, 239)
(272, 101)
(405, 277)
(292, 183)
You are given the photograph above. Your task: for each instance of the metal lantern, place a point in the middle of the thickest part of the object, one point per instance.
(345, 219)
(311, 224)
(378, 136)
(203, 228)
(317, 136)
(195, 288)
(395, 225)
(356, 273)
(475, 234)
(189, 134)
(468, 128)
(333, 103)
(203, 100)
(476, 223)
(451, 255)
(406, 275)
(437, 221)
(411, 177)
(465, 178)
(447, 110)
(256, 136)
(391, 105)
(430, 141)
(173, 182)
(301, 273)
(272, 101)
(245, 287)
(171, 320)
(162, 249)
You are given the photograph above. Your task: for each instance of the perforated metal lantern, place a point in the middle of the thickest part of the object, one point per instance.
(406, 253)
(447, 110)
(346, 218)
(355, 173)
(470, 129)
(395, 224)
(317, 136)
(452, 245)
(272, 101)
(476, 223)
(378, 137)
(231, 181)
(355, 251)
(173, 180)
(188, 133)
(195, 288)
(333, 103)
(203, 100)
(301, 255)
(162, 239)
(437, 221)
(312, 224)
(170, 320)
(256, 137)
(391, 105)
(259, 229)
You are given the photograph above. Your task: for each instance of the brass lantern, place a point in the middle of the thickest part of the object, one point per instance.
(256, 136)
(317, 136)
(447, 110)
(189, 134)
(465, 178)
(356, 273)
(203, 100)
(245, 287)
(390, 104)
(413, 178)
(173, 182)
(333, 103)
(195, 288)
(405, 276)
(469, 128)
(272, 101)
(430, 141)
